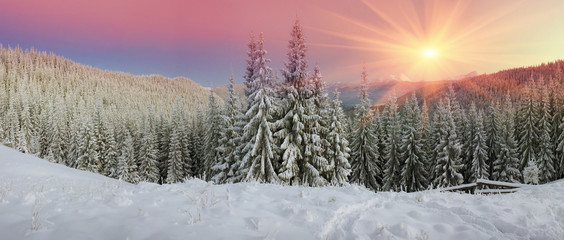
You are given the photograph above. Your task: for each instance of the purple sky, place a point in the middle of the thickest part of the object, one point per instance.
(206, 40)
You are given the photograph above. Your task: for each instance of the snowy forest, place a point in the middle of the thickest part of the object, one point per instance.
(507, 126)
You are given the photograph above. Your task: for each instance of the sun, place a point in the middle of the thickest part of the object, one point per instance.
(429, 53)
(427, 41)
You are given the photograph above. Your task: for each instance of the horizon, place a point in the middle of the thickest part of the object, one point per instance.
(415, 41)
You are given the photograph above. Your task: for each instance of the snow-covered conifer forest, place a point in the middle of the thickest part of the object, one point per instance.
(289, 129)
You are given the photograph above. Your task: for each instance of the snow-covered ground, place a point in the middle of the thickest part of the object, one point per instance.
(41, 200)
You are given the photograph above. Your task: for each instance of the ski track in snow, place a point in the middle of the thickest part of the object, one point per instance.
(41, 200)
(347, 213)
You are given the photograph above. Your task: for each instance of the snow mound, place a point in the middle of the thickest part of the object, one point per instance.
(42, 200)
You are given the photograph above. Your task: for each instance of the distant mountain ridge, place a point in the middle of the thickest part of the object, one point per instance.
(495, 86)
(379, 91)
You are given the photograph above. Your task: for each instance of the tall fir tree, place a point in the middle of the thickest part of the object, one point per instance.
(545, 159)
(315, 123)
(163, 131)
(556, 111)
(301, 161)
(480, 168)
(258, 148)
(197, 152)
(527, 127)
(468, 148)
(229, 136)
(427, 139)
(187, 143)
(111, 167)
(392, 150)
(148, 168)
(59, 130)
(176, 164)
(127, 165)
(98, 130)
(44, 130)
(338, 150)
(413, 174)
(26, 130)
(365, 167)
(560, 149)
(236, 171)
(88, 157)
(493, 135)
(448, 162)
(13, 124)
(212, 125)
(506, 166)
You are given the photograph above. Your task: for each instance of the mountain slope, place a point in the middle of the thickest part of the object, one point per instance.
(72, 204)
(493, 87)
(39, 78)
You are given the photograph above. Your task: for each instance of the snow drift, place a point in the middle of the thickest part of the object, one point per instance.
(42, 200)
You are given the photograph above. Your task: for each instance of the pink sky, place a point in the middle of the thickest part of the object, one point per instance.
(206, 40)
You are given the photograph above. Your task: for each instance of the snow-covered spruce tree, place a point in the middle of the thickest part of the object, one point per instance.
(560, 149)
(545, 158)
(236, 172)
(176, 164)
(88, 158)
(127, 166)
(468, 148)
(44, 130)
(506, 166)
(527, 127)
(25, 132)
(557, 111)
(448, 162)
(187, 143)
(380, 134)
(111, 166)
(413, 174)
(301, 164)
(365, 168)
(338, 150)
(493, 135)
(197, 151)
(316, 105)
(148, 168)
(229, 136)
(258, 148)
(428, 143)
(34, 130)
(459, 116)
(59, 131)
(74, 139)
(393, 161)
(320, 106)
(12, 124)
(212, 136)
(480, 168)
(163, 130)
(99, 129)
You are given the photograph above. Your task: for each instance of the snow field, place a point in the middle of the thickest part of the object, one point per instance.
(41, 200)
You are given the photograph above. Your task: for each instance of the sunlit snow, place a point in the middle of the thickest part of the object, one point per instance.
(42, 200)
